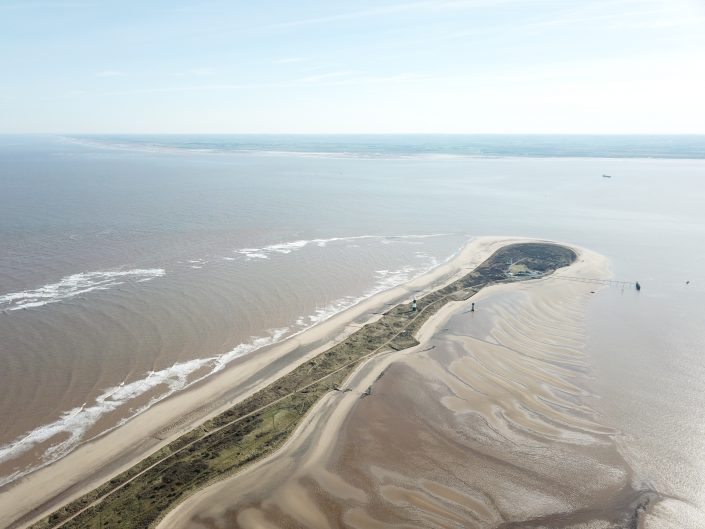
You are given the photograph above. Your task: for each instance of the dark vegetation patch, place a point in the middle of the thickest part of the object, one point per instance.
(254, 428)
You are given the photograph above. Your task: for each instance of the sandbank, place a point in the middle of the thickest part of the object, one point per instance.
(486, 422)
(36, 495)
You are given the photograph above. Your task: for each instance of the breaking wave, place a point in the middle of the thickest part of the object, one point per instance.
(265, 252)
(71, 428)
(76, 285)
(73, 425)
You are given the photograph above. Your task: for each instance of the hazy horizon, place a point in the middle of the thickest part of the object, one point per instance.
(402, 67)
(70, 133)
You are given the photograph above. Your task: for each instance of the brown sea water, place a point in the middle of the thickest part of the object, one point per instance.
(484, 424)
(125, 274)
(494, 420)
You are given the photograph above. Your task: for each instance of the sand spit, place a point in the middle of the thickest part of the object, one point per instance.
(93, 463)
(487, 423)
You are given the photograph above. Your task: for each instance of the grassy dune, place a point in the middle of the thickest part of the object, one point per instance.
(254, 428)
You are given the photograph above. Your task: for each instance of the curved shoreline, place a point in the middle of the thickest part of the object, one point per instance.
(256, 428)
(47, 489)
(313, 479)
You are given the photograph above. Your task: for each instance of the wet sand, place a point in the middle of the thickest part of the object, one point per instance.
(95, 462)
(489, 422)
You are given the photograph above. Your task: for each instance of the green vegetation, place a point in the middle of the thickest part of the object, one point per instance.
(257, 426)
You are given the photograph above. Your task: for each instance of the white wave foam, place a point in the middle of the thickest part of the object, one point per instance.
(75, 423)
(384, 280)
(252, 253)
(265, 252)
(275, 336)
(74, 285)
(194, 263)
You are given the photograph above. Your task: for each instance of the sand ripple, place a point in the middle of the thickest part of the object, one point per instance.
(490, 422)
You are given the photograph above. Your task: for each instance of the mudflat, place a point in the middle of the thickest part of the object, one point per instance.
(214, 449)
(487, 422)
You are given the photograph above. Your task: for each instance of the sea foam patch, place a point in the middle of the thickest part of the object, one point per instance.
(384, 280)
(283, 248)
(75, 285)
(71, 427)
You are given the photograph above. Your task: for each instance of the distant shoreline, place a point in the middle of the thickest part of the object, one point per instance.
(421, 147)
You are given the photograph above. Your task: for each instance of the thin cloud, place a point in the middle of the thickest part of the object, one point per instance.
(612, 15)
(342, 79)
(289, 60)
(313, 79)
(659, 23)
(201, 71)
(43, 5)
(328, 79)
(436, 5)
(109, 73)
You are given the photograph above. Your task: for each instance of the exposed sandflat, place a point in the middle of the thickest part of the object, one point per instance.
(493, 427)
(93, 463)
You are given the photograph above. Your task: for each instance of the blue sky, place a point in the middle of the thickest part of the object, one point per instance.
(454, 66)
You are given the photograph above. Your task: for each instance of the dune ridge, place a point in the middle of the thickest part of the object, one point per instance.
(486, 423)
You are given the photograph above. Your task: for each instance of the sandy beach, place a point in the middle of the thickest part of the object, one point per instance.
(486, 423)
(95, 462)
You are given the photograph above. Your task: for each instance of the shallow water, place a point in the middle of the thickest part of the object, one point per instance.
(126, 273)
(487, 424)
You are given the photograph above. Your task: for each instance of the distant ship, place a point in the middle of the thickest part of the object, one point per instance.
(606, 176)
